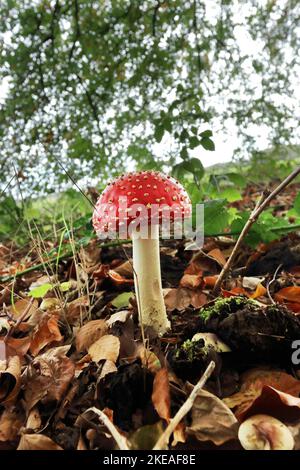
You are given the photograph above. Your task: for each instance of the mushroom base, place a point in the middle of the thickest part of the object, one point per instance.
(147, 279)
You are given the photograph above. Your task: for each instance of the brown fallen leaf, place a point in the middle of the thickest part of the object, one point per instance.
(48, 377)
(212, 420)
(37, 442)
(218, 256)
(10, 380)
(161, 394)
(20, 306)
(34, 421)
(125, 269)
(290, 296)
(45, 333)
(107, 368)
(181, 298)
(77, 310)
(253, 383)
(107, 347)
(191, 280)
(16, 346)
(148, 358)
(11, 421)
(275, 403)
(89, 333)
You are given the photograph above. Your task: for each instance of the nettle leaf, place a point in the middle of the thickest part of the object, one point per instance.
(216, 216)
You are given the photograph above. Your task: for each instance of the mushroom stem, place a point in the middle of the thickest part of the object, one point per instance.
(147, 280)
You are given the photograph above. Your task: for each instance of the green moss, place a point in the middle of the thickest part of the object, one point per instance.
(225, 306)
(191, 350)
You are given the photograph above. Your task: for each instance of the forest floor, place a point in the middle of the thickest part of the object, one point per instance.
(70, 341)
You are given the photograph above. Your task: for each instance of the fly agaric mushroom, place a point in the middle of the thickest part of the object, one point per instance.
(263, 432)
(139, 203)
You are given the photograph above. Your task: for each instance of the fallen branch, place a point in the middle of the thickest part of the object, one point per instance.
(120, 440)
(162, 442)
(259, 208)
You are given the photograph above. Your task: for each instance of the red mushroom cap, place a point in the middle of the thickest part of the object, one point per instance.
(144, 191)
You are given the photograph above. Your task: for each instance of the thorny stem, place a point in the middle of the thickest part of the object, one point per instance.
(259, 208)
(184, 409)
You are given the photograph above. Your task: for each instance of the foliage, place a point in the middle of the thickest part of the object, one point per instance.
(96, 84)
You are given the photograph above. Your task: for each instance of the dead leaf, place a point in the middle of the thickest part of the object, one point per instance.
(10, 423)
(108, 368)
(181, 298)
(210, 281)
(16, 346)
(19, 308)
(121, 316)
(218, 256)
(148, 359)
(253, 383)
(191, 280)
(161, 394)
(290, 296)
(259, 292)
(34, 421)
(45, 333)
(250, 282)
(89, 333)
(37, 442)
(48, 377)
(107, 347)
(125, 269)
(10, 380)
(212, 420)
(77, 310)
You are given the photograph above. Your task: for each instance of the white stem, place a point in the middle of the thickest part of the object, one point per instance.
(147, 279)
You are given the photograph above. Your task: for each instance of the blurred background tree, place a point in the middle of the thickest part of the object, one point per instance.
(96, 84)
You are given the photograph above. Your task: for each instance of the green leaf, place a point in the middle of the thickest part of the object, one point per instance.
(65, 286)
(216, 216)
(236, 178)
(231, 194)
(122, 300)
(40, 291)
(296, 205)
(184, 153)
(146, 436)
(207, 143)
(207, 133)
(183, 136)
(159, 133)
(194, 142)
(193, 166)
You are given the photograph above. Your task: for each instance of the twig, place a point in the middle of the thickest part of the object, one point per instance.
(120, 440)
(185, 408)
(259, 208)
(271, 282)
